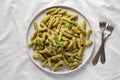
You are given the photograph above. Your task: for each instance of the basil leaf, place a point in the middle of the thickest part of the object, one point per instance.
(56, 39)
(68, 25)
(60, 43)
(38, 43)
(71, 59)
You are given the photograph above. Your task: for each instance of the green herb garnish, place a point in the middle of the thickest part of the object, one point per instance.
(56, 39)
(60, 43)
(68, 25)
(38, 43)
(71, 59)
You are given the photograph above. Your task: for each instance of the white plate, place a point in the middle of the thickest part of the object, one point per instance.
(38, 17)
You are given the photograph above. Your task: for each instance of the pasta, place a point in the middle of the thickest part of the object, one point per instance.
(88, 33)
(60, 40)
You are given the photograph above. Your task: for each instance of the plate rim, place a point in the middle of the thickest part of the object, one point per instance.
(28, 26)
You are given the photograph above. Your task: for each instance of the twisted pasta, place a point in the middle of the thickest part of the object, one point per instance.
(60, 40)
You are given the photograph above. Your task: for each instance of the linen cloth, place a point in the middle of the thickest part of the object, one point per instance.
(15, 63)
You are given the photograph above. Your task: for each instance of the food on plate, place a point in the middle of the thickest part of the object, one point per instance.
(60, 40)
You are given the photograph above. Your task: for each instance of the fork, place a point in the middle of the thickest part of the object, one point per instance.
(95, 60)
(102, 26)
(110, 29)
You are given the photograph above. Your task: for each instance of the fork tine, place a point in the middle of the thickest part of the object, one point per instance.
(110, 28)
(102, 23)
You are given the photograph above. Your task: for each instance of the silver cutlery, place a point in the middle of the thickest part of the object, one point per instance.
(102, 26)
(110, 29)
(101, 51)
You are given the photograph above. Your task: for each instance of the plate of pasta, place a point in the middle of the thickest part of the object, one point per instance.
(59, 39)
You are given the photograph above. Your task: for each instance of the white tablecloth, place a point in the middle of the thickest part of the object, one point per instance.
(15, 63)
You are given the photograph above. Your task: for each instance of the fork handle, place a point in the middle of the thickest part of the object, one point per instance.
(102, 58)
(96, 58)
(100, 51)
